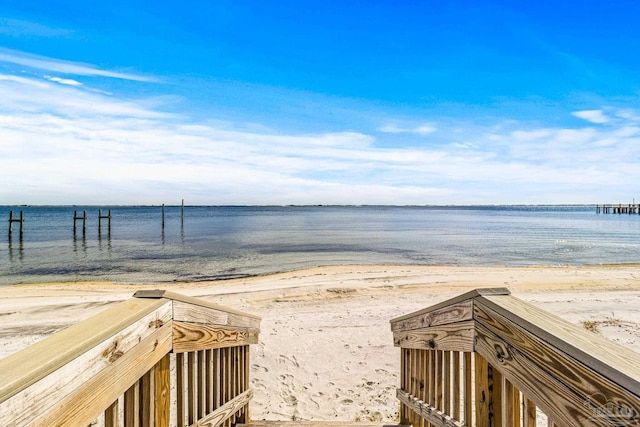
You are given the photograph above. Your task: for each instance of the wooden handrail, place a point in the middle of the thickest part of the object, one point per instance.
(117, 363)
(519, 357)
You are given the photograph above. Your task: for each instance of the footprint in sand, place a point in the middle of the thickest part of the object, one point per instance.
(259, 368)
(258, 385)
(282, 359)
(290, 400)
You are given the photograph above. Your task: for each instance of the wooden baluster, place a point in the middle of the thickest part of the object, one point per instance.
(180, 389)
(132, 406)
(439, 378)
(455, 379)
(111, 415)
(403, 384)
(422, 360)
(202, 393)
(495, 396)
(192, 392)
(162, 403)
(147, 410)
(529, 413)
(446, 378)
(217, 370)
(208, 381)
(468, 386)
(482, 391)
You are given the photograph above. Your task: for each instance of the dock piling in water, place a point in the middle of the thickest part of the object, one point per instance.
(630, 209)
(100, 218)
(82, 218)
(12, 220)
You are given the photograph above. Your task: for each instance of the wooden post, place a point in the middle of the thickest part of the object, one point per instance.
(182, 215)
(100, 218)
(82, 218)
(12, 220)
(163, 216)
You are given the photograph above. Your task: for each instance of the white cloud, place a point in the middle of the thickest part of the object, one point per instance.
(68, 82)
(529, 135)
(593, 116)
(62, 144)
(423, 129)
(64, 67)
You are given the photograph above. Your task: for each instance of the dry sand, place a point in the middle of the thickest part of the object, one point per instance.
(326, 350)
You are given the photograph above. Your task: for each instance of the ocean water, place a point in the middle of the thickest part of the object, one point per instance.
(224, 242)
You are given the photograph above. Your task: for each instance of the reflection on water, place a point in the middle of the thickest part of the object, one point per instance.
(210, 242)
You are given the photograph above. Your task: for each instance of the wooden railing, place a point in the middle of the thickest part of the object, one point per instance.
(157, 359)
(487, 358)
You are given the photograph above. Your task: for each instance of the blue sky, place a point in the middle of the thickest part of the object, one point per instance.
(359, 102)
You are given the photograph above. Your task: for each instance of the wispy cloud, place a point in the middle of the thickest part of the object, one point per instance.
(593, 116)
(69, 82)
(62, 144)
(65, 67)
(20, 28)
(423, 129)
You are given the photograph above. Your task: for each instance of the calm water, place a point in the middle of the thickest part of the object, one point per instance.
(221, 242)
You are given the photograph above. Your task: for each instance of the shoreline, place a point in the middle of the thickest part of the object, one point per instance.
(326, 349)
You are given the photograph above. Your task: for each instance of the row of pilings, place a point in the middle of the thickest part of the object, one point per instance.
(629, 209)
(81, 218)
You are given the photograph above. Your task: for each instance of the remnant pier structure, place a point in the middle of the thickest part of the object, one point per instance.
(631, 208)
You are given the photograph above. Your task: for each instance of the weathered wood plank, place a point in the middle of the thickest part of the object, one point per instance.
(584, 382)
(28, 366)
(197, 336)
(454, 313)
(86, 402)
(36, 399)
(434, 416)
(226, 411)
(414, 320)
(456, 336)
(614, 361)
(555, 398)
(190, 309)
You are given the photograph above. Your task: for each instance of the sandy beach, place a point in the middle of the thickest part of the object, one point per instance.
(326, 349)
